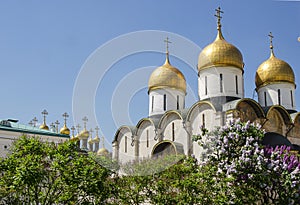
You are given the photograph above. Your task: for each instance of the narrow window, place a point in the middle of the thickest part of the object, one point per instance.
(236, 85)
(221, 83)
(203, 120)
(173, 131)
(147, 138)
(292, 100)
(125, 144)
(165, 101)
(265, 96)
(205, 85)
(279, 98)
(177, 102)
(152, 103)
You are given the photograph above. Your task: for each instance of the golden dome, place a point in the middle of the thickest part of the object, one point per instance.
(103, 152)
(65, 130)
(91, 141)
(97, 139)
(220, 53)
(75, 138)
(44, 127)
(167, 76)
(274, 70)
(84, 134)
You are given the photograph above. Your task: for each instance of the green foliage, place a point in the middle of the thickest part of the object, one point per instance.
(44, 173)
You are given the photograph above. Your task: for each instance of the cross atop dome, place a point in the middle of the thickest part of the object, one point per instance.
(219, 17)
(271, 42)
(167, 50)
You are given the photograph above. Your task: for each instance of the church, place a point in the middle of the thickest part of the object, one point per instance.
(170, 125)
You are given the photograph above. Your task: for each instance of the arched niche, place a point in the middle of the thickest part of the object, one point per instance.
(249, 110)
(278, 120)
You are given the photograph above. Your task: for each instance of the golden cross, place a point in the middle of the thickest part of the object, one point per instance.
(97, 129)
(218, 15)
(57, 123)
(271, 40)
(78, 128)
(72, 128)
(65, 115)
(44, 113)
(167, 43)
(85, 119)
(103, 144)
(34, 120)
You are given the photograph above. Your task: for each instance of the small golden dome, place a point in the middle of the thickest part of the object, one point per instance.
(274, 70)
(91, 141)
(65, 130)
(97, 139)
(75, 138)
(167, 76)
(220, 53)
(84, 134)
(44, 127)
(103, 152)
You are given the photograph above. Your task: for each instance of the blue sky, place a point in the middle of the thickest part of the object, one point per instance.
(45, 44)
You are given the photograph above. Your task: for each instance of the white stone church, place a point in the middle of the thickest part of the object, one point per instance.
(170, 125)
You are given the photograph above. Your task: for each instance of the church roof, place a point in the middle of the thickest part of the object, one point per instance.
(13, 126)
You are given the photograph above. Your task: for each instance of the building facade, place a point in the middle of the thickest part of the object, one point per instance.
(170, 126)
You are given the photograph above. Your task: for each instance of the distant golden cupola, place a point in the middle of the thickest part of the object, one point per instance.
(44, 125)
(274, 70)
(65, 130)
(167, 76)
(220, 53)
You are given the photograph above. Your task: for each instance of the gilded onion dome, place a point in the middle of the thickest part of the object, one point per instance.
(103, 152)
(167, 76)
(97, 139)
(274, 70)
(44, 127)
(65, 130)
(220, 52)
(84, 134)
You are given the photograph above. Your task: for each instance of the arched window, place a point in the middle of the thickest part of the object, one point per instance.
(221, 83)
(152, 103)
(265, 97)
(177, 102)
(236, 85)
(279, 97)
(147, 133)
(203, 120)
(292, 100)
(125, 144)
(205, 85)
(165, 102)
(173, 131)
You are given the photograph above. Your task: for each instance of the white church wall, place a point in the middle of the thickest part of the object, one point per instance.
(268, 95)
(210, 85)
(175, 132)
(202, 115)
(146, 141)
(156, 100)
(126, 152)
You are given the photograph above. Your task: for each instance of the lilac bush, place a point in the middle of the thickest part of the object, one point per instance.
(268, 175)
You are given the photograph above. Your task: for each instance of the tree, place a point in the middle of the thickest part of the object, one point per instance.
(39, 172)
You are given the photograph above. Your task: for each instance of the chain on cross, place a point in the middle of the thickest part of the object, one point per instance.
(167, 44)
(271, 40)
(218, 15)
